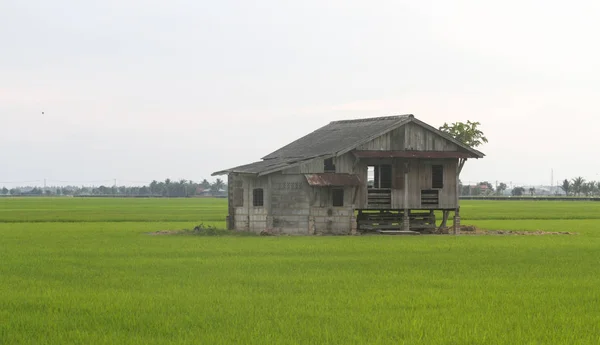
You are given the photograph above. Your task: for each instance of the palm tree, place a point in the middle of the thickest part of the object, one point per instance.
(217, 185)
(593, 187)
(566, 187)
(154, 187)
(168, 187)
(578, 185)
(588, 188)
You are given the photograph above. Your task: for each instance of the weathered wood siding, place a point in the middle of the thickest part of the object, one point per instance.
(343, 164)
(391, 141)
(421, 139)
(419, 178)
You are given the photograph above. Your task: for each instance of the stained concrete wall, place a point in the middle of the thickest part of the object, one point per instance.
(248, 217)
(291, 206)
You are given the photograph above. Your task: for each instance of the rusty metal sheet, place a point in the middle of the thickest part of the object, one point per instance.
(332, 180)
(412, 154)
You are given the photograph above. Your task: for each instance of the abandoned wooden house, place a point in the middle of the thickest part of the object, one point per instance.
(375, 174)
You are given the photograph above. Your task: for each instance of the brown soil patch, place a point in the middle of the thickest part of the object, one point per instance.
(164, 232)
(472, 230)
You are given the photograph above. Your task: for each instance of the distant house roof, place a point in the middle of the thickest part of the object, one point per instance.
(334, 139)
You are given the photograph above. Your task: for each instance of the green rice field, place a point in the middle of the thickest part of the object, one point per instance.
(86, 271)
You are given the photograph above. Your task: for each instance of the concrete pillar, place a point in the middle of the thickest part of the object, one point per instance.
(353, 225)
(456, 222)
(406, 220)
(311, 225)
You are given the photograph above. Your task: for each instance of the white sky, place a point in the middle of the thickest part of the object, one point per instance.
(142, 90)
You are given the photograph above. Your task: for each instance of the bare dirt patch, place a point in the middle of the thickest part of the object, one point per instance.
(165, 232)
(473, 230)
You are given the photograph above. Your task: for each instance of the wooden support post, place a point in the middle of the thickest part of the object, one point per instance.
(446, 213)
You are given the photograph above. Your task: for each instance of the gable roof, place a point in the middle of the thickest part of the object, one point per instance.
(338, 136)
(334, 139)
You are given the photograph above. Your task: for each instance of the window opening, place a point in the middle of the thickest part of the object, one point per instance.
(328, 165)
(380, 176)
(338, 197)
(437, 176)
(258, 197)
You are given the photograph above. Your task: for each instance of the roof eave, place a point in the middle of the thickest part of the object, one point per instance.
(229, 171)
(292, 165)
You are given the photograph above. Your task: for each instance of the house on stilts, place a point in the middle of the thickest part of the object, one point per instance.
(381, 174)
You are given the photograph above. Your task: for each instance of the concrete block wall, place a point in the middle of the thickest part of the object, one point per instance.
(249, 217)
(289, 207)
(333, 220)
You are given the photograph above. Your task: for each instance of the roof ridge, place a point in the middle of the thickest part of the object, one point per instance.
(369, 119)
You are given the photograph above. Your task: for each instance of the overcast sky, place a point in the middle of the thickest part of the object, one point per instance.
(142, 90)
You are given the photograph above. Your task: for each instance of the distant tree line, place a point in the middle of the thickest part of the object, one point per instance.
(483, 188)
(166, 188)
(575, 187)
(579, 186)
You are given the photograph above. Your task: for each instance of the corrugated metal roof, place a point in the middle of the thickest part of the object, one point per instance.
(338, 136)
(333, 180)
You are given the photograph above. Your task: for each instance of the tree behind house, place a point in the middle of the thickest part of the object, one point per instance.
(466, 133)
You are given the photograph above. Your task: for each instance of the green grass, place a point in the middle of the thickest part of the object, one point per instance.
(111, 210)
(84, 271)
(473, 209)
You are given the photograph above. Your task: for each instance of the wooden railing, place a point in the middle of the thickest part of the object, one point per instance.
(430, 197)
(379, 198)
